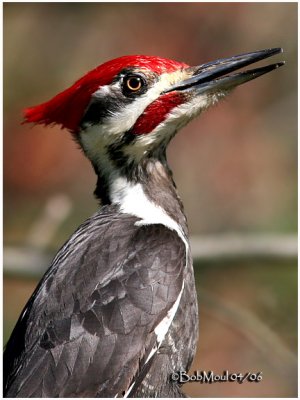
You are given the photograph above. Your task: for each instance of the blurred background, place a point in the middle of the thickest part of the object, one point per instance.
(235, 168)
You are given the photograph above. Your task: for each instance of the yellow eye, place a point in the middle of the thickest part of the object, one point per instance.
(134, 83)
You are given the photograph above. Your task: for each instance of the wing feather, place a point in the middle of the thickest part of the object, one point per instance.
(90, 324)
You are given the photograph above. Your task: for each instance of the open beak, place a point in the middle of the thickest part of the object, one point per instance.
(212, 76)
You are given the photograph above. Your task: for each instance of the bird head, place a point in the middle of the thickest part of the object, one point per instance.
(128, 109)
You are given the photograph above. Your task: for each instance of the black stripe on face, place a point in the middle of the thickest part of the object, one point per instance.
(104, 104)
(116, 153)
(102, 107)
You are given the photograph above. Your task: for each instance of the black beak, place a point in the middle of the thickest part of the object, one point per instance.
(210, 77)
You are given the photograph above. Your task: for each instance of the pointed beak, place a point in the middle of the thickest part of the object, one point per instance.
(213, 76)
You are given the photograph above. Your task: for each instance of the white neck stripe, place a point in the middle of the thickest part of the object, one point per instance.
(133, 200)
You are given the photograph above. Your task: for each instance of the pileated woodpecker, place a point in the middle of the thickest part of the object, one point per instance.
(116, 312)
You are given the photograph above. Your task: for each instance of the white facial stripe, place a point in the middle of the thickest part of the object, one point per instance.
(124, 119)
(104, 90)
(175, 120)
(97, 137)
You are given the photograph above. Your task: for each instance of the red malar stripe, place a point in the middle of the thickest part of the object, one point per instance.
(67, 108)
(156, 113)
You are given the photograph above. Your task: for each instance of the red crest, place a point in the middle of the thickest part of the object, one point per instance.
(67, 108)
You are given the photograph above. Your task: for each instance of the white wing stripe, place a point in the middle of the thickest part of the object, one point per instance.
(161, 331)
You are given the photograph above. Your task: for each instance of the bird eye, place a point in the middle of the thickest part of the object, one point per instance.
(133, 84)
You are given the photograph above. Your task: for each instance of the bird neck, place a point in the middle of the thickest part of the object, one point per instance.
(146, 190)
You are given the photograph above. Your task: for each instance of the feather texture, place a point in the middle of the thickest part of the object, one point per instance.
(89, 326)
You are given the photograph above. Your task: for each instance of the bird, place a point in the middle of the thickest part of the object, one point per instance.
(116, 313)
